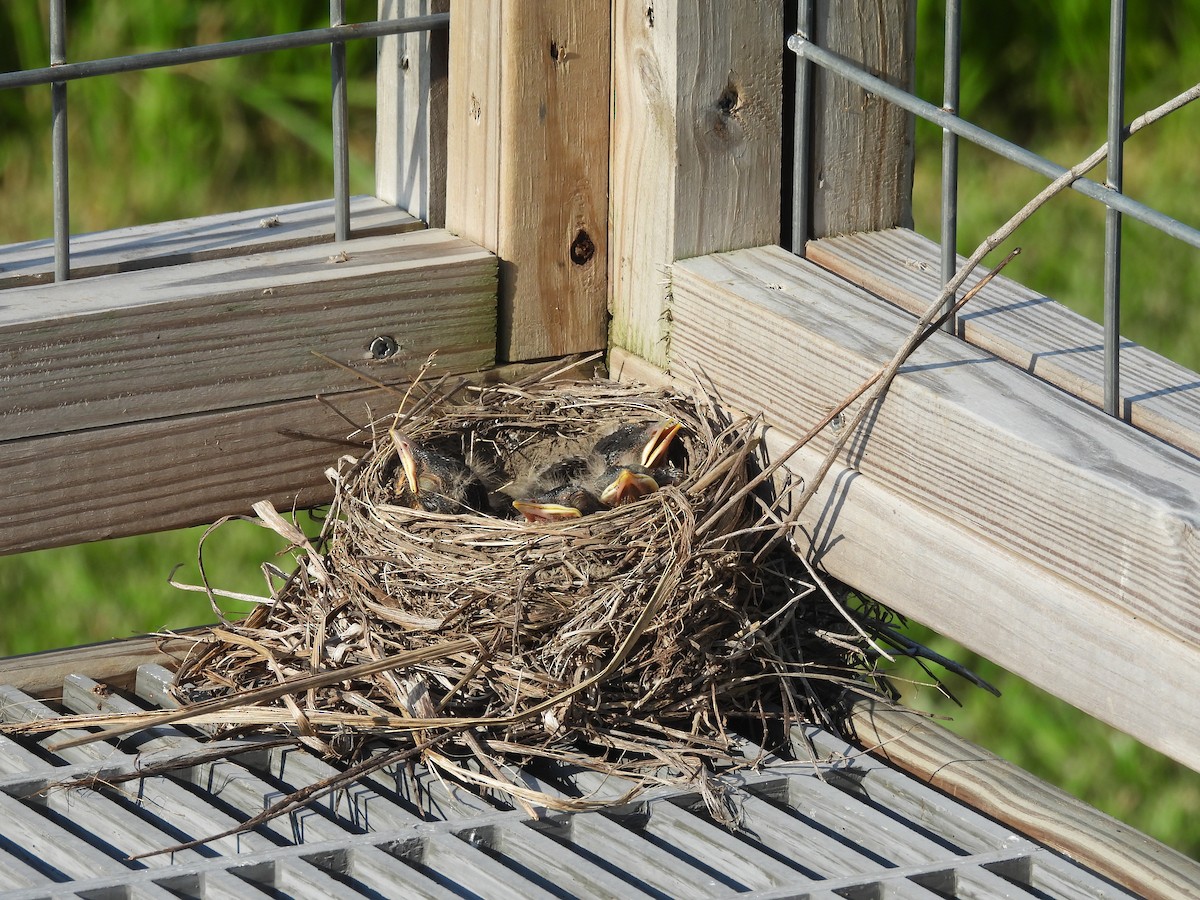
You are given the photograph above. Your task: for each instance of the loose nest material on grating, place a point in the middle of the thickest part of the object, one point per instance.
(624, 638)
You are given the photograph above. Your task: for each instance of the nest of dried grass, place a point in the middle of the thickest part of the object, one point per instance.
(624, 639)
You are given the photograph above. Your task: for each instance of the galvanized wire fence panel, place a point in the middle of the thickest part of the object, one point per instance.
(1117, 204)
(60, 72)
(847, 826)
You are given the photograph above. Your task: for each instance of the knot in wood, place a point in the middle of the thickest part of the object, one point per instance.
(583, 248)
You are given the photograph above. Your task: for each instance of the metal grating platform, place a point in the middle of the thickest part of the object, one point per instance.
(854, 829)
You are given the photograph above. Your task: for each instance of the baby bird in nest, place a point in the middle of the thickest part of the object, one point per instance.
(566, 501)
(643, 452)
(434, 481)
(624, 466)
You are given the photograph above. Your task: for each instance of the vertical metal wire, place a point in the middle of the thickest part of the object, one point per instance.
(950, 100)
(802, 137)
(58, 141)
(341, 158)
(1112, 220)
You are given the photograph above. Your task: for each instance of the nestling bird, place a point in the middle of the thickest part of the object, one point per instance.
(567, 501)
(434, 481)
(641, 453)
(635, 444)
(625, 465)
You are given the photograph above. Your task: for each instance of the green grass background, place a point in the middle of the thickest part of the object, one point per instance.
(251, 132)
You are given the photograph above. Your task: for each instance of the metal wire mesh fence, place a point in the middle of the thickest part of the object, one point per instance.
(809, 52)
(60, 72)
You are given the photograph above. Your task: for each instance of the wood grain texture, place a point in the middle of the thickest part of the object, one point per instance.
(198, 239)
(175, 473)
(862, 145)
(528, 141)
(1120, 668)
(696, 146)
(1006, 792)
(225, 333)
(1025, 328)
(410, 114)
(113, 662)
(473, 123)
(186, 470)
(962, 432)
(1007, 515)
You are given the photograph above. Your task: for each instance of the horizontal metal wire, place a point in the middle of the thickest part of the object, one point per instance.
(226, 50)
(984, 138)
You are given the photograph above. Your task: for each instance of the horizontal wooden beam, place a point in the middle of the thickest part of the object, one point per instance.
(186, 470)
(113, 662)
(1022, 801)
(1026, 328)
(198, 239)
(1005, 514)
(175, 472)
(240, 331)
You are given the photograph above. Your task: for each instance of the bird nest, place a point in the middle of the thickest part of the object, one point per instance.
(623, 638)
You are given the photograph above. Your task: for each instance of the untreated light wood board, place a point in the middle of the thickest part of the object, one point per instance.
(1026, 328)
(1024, 465)
(232, 332)
(190, 469)
(197, 239)
(528, 164)
(862, 146)
(1123, 669)
(410, 114)
(1006, 792)
(1000, 511)
(696, 138)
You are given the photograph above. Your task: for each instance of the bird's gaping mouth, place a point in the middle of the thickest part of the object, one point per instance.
(654, 453)
(408, 460)
(545, 512)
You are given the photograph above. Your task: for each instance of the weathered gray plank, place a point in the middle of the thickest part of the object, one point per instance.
(1017, 520)
(200, 238)
(1000, 789)
(1026, 328)
(696, 143)
(410, 114)
(184, 470)
(862, 146)
(232, 332)
(961, 432)
(113, 662)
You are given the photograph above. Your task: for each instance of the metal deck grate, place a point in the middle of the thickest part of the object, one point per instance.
(854, 828)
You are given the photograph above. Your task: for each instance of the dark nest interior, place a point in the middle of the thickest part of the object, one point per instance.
(634, 637)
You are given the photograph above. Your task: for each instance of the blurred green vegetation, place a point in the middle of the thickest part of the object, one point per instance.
(182, 141)
(254, 131)
(1037, 74)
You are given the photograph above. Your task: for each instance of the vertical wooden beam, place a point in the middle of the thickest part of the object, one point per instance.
(410, 125)
(528, 164)
(695, 147)
(863, 146)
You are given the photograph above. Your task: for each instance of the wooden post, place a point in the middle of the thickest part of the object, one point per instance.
(410, 126)
(527, 144)
(862, 149)
(695, 150)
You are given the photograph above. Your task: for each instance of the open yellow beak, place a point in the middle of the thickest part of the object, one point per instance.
(654, 453)
(627, 487)
(545, 512)
(408, 460)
